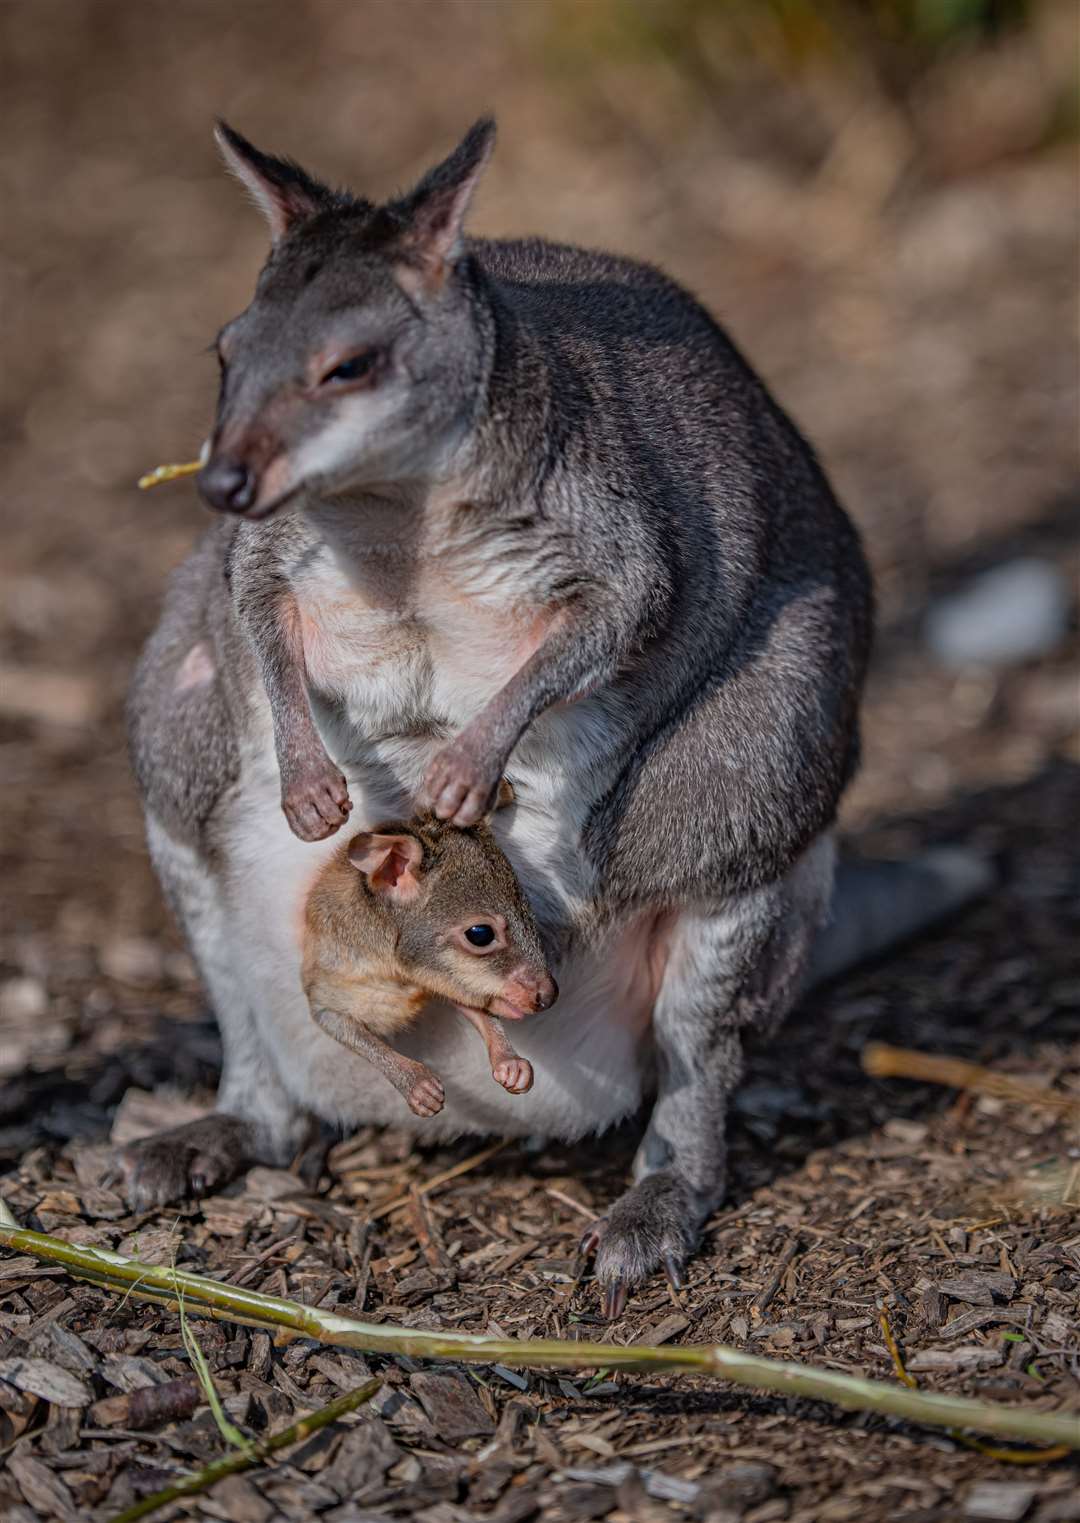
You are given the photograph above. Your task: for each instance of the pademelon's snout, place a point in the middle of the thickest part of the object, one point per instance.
(228, 485)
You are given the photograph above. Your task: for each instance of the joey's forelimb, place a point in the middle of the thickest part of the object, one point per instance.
(421, 1089)
(508, 1068)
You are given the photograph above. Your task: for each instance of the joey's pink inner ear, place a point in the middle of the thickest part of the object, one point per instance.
(434, 213)
(282, 191)
(391, 864)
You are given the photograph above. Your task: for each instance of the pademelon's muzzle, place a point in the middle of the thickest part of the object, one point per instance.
(228, 486)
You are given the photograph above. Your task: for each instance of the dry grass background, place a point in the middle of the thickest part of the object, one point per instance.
(886, 219)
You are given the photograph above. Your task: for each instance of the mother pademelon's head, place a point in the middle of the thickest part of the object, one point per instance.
(463, 928)
(359, 359)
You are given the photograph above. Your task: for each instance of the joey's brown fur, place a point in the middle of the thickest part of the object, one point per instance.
(384, 933)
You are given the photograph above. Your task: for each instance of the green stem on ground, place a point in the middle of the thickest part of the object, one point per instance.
(231, 1302)
(252, 1454)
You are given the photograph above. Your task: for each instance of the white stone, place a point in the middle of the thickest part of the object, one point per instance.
(1002, 1501)
(22, 999)
(1013, 613)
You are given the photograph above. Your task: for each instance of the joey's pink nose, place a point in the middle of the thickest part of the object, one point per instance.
(531, 991)
(227, 485)
(547, 993)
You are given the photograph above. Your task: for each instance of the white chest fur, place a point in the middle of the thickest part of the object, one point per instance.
(413, 627)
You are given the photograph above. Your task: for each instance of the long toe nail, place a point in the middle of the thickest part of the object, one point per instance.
(590, 1238)
(615, 1298)
(673, 1271)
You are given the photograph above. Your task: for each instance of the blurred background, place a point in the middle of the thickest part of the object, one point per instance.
(877, 197)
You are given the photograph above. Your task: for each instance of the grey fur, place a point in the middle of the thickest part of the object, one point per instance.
(184, 745)
(542, 433)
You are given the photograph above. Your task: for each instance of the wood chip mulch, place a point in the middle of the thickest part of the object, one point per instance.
(959, 1216)
(927, 346)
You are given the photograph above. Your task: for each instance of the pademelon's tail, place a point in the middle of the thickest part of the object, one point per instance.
(877, 905)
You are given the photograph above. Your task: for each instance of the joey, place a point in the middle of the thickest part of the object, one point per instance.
(413, 911)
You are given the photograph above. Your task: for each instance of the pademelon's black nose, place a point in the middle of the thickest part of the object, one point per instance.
(227, 485)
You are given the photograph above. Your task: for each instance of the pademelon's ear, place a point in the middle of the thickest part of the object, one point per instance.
(284, 193)
(433, 215)
(390, 863)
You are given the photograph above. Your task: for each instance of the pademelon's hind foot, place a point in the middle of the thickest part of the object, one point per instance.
(185, 1162)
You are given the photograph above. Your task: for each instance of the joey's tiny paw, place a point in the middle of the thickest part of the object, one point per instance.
(460, 786)
(653, 1226)
(316, 802)
(514, 1074)
(426, 1096)
(184, 1162)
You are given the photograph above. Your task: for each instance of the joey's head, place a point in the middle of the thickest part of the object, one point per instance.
(362, 354)
(463, 928)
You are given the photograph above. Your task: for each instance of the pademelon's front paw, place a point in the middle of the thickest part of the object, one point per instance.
(316, 800)
(462, 782)
(514, 1074)
(425, 1096)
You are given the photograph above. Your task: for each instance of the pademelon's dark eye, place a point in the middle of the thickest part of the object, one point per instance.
(358, 368)
(480, 935)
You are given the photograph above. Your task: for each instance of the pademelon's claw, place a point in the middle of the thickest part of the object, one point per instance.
(162, 473)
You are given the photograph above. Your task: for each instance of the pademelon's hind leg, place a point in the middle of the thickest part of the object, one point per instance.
(735, 969)
(254, 1120)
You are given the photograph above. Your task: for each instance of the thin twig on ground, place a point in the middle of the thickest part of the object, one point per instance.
(400, 1202)
(427, 1235)
(884, 1062)
(1008, 1456)
(765, 1295)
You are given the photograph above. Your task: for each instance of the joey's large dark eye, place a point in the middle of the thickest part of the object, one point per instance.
(480, 935)
(357, 368)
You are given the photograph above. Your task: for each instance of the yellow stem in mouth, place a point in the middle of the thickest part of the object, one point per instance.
(162, 473)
